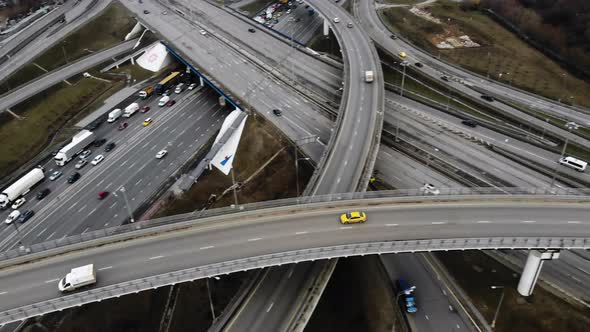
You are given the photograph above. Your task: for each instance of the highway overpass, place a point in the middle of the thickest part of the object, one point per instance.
(176, 249)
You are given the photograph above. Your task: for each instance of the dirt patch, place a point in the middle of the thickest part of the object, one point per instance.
(476, 272)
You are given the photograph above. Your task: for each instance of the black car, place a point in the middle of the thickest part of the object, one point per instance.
(146, 11)
(74, 177)
(251, 30)
(444, 78)
(419, 65)
(99, 142)
(26, 216)
(109, 147)
(94, 125)
(277, 112)
(43, 193)
(470, 123)
(394, 37)
(488, 98)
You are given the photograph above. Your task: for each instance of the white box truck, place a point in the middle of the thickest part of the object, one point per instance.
(78, 277)
(369, 76)
(79, 142)
(130, 110)
(21, 187)
(114, 115)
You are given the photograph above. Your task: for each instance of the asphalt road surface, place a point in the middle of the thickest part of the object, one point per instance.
(256, 235)
(75, 208)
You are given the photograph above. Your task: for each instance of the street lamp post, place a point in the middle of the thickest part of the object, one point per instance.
(122, 190)
(211, 298)
(570, 126)
(297, 170)
(499, 305)
(17, 232)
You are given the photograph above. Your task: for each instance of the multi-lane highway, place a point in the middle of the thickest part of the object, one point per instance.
(277, 230)
(21, 93)
(75, 208)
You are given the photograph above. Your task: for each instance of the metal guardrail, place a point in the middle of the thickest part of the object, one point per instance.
(289, 257)
(195, 217)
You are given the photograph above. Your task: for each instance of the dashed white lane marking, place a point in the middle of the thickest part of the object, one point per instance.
(391, 225)
(43, 231)
(105, 268)
(112, 205)
(576, 279)
(574, 222)
(52, 280)
(484, 222)
(138, 182)
(426, 317)
(86, 230)
(458, 326)
(528, 221)
(346, 227)
(270, 307)
(156, 257)
(254, 239)
(50, 236)
(2, 293)
(207, 247)
(438, 222)
(299, 233)
(91, 212)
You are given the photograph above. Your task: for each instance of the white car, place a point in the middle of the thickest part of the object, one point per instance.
(192, 86)
(203, 32)
(85, 154)
(336, 20)
(55, 175)
(430, 189)
(97, 160)
(12, 217)
(161, 154)
(81, 163)
(18, 203)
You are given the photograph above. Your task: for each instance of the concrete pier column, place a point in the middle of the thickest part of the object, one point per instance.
(532, 269)
(201, 81)
(326, 27)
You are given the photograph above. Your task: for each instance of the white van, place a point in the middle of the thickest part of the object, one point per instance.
(163, 101)
(577, 164)
(179, 88)
(114, 115)
(130, 110)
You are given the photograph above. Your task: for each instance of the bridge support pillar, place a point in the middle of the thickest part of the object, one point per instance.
(132, 61)
(532, 269)
(326, 28)
(201, 81)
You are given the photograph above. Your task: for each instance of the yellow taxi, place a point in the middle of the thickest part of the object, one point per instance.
(147, 122)
(353, 217)
(402, 54)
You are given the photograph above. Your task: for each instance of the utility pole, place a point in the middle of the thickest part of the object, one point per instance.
(233, 182)
(493, 325)
(570, 126)
(122, 190)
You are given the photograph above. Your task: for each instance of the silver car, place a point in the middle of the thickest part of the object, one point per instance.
(81, 163)
(55, 175)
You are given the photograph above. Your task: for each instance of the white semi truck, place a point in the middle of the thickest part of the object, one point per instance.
(21, 187)
(114, 115)
(77, 145)
(130, 110)
(78, 277)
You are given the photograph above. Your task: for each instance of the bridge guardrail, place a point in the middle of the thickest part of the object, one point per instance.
(408, 193)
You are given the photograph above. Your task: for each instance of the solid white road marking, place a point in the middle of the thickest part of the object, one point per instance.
(156, 257)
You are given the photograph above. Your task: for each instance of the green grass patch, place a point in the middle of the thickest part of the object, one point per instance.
(51, 112)
(501, 53)
(256, 6)
(541, 312)
(106, 30)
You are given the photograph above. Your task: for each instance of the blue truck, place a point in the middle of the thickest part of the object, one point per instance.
(406, 292)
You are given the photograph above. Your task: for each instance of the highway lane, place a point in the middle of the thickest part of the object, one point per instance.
(240, 77)
(75, 209)
(248, 235)
(23, 92)
(46, 39)
(351, 152)
(302, 31)
(431, 295)
(366, 13)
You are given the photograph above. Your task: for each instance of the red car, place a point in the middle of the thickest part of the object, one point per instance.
(170, 103)
(102, 194)
(123, 125)
(145, 109)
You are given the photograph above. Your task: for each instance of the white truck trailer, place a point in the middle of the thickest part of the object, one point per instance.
(78, 277)
(77, 145)
(130, 110)
(21, 187)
